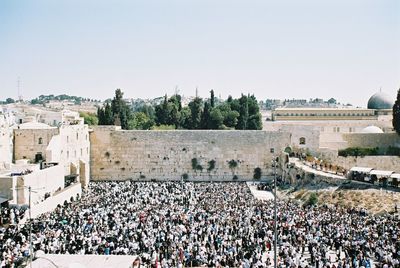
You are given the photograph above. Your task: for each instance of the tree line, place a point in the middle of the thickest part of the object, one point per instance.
(242, 113)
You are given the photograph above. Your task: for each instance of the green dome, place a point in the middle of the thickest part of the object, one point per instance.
(380, 100)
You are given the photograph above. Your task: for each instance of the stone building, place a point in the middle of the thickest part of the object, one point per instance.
(324, 128)
(68, 145)
(6, 141)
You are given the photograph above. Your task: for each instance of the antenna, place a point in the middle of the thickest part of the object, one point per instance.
(176, 90)
(18, 84)
(197, 92)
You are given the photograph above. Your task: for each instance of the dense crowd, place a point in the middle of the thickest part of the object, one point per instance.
(11, 215)
(178, 224)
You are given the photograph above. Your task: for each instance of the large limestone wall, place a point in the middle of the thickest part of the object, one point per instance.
(381, 162)
(121, 154)
(372, 140)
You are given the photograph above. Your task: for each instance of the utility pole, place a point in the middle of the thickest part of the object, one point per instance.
(30, 218)
(275, 217)
(30, 227)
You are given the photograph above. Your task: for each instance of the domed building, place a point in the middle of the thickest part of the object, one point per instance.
(371, 129)
(380, 101)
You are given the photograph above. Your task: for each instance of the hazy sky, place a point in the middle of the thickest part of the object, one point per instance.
(345, 49)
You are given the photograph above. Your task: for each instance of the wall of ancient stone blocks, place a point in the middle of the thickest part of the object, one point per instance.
(145, 155)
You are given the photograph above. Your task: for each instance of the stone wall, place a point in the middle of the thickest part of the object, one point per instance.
(57, 199)
(372, 140)
(377, 162)
(6, 145)
(120, 154)
(27, 144)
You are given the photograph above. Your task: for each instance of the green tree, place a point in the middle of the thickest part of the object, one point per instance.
(108, 115)
(100, 116)
(161, 111)
(243, 113)
(89, 118)
(230, 116)
(396, 113)
(185, 118)
(205, 117)
(216, 119)
(195, 107)
(212, 99)
(254, 120)
(10, 100)
(117, 103)
(140, 120)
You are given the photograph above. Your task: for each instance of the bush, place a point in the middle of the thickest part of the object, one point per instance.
(232, 164)
(357, 151)
(211, 165)
(194, 163)
(312, 199)
(257, 173)
(235, 177)
(185, 176)
(142, 176)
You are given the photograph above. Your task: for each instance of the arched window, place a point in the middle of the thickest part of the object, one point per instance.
(302, 141)
(40, 141)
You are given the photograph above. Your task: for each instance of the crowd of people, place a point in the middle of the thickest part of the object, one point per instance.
(176, 224)
(11, 215)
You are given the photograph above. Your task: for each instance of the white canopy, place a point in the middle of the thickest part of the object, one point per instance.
(395, 176)
(361, 169)
(384, 173)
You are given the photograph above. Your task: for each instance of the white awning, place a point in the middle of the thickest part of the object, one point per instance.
(395, 176)
(361, 169)
(384, 173)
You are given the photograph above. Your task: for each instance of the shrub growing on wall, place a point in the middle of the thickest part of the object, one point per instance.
(196, 165)
(232, 164)
(357, 151)
(211, 165)
(257, 173)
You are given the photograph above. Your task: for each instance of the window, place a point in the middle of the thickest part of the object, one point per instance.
(40, 141)
(87, 150)
(81, 151)
(302, 141)
(67, 138)
(77, 136)
(67, 154)
(271, 150)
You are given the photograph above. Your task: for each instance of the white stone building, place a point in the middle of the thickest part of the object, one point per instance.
(323, 128)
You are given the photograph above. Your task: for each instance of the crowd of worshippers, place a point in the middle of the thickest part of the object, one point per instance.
(11, 215)
(184, 224)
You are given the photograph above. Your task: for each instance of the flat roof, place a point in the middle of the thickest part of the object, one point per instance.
(322, 109)
(361, 169)
(83, 261)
